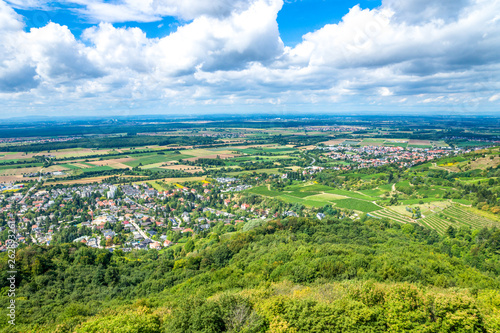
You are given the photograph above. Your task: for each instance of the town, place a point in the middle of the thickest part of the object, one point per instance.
(133, 216)
(373, 156)
(169, 214)
(253, 166)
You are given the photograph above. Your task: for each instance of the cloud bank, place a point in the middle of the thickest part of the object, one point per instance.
(403, 55)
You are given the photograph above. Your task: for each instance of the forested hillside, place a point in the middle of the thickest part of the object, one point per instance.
(288, 275)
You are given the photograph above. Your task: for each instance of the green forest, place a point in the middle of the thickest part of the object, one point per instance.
(282, 275)
(111, 142)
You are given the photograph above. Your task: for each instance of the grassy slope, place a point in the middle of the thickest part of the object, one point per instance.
(298, 276)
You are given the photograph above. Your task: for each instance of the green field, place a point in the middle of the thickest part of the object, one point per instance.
(351, 143)
(391, 215)
(317, 195)
(471, 144)
(155, 158)
(376, 192)
(19, 166)
(419, 146)
(268, 171)
(355, 204)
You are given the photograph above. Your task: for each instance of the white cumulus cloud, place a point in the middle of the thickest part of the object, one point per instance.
(230, 53)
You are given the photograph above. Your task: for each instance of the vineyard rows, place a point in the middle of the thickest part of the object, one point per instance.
(392, 215)
(440, 221)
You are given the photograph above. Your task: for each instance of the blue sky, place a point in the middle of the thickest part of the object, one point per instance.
(38, 18)
(124, 57)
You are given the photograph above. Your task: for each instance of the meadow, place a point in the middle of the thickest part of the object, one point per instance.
(315, 195)
(366, 193)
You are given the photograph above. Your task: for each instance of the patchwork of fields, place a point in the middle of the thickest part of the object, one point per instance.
(452, 215)
(80, 161)
(437, 213)
(456, 217)
(366, 192)
(391, 215)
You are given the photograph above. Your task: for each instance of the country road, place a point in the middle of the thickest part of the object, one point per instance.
(27, 193)
(143, 234)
